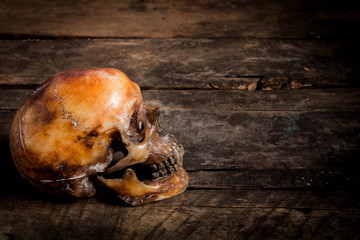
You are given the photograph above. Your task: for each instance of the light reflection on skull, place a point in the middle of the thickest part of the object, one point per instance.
(86, 122)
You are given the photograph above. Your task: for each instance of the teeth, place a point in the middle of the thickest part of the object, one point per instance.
(163, 173)
(172, 160)
(155, 175)
(153, 167)
(171, 170)
(167, 164)
(161, 165)
(164, 168)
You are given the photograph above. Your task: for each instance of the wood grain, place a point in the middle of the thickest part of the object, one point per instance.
(174, 19)
(278, 164)
(303, 200)
(187, 63)
(89, 219)
(319, 100)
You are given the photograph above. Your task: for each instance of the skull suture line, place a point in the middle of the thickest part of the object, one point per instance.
(88, 122)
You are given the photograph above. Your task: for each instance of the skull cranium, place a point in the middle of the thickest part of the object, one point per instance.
(86, 122)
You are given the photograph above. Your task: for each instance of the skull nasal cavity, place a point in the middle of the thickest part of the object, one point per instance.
(118, 147)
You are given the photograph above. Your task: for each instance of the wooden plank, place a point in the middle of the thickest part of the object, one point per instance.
(188, 63)
(230, 101)
(88, 219)
(272, 178)
(169, 19)
(6, 118)
(12, 99)
(290, 199)
(302, 200)
(334, 132)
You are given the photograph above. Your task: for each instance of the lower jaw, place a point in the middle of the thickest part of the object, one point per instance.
(135, 192)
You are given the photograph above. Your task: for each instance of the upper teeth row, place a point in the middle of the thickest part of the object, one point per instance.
(161, 165)
(164, 168)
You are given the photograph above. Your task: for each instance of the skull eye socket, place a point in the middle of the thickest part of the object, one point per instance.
(136, 132)
(117, 147)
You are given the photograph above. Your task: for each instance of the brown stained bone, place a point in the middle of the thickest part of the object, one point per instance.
(155, 149)
(136, 193)
(71, 126)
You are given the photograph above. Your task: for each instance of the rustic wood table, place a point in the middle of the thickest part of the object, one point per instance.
(264, 95)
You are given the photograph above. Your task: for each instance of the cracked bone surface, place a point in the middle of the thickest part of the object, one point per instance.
(86, 122)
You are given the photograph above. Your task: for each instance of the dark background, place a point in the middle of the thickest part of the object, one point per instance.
(264, 95)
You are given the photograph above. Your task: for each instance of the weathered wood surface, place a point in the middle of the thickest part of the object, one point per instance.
(317, 100)
(175, 223)
(193, 215)
(174, 19)
(279, 164)
(188, 63)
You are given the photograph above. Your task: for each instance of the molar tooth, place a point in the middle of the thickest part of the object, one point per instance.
(153, 167)
(161, 165)
(167, 164)
(155, 175)
(171, 170)
(172, 160)
(163, 173)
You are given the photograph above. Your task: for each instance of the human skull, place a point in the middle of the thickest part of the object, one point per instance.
(87, 122)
